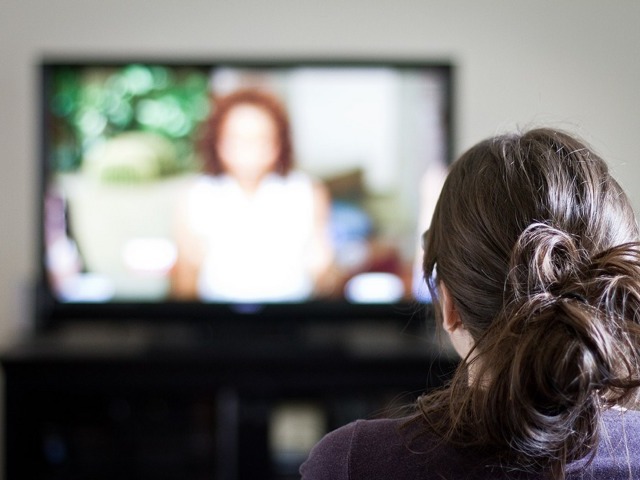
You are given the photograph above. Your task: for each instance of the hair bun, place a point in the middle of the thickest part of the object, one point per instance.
(568, 350)
(570, 331)
(576, 323)
(546, 260)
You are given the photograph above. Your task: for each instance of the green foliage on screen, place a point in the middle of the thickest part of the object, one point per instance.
(93, 106)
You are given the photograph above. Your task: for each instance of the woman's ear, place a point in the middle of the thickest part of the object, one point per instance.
(460, 337)
(450, 317)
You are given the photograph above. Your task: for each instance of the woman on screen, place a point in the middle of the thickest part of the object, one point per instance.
(533, 260)
(252, 229)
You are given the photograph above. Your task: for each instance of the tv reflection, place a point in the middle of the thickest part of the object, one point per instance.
(252, 228)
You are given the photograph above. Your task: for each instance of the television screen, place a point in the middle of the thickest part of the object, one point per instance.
(239, 183)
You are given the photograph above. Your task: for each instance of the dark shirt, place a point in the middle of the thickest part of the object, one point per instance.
(385, 449)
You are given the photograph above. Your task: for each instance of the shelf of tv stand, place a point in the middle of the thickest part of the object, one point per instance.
(146, 400)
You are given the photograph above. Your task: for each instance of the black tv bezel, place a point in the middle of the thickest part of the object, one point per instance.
(50, 313)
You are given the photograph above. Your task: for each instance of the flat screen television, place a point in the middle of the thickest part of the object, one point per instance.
(138, 221)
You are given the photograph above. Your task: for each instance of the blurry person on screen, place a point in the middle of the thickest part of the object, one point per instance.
(252, 228)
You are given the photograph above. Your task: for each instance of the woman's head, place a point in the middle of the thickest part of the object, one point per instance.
(536, 247)
(496, 192)
(247, 136)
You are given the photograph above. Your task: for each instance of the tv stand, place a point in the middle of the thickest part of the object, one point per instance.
(126, 401)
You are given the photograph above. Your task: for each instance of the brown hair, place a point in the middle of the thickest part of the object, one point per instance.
(538, 247)
(221, 108)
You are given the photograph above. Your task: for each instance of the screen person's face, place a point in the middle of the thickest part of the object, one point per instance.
(248, 146)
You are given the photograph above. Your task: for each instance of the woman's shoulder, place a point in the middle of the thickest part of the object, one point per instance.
(621, 427)
(618, 452)
(621, 415)
(389, 448)
(402, 449)
(345, 452)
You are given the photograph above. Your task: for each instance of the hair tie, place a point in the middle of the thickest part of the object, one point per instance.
(573, 296)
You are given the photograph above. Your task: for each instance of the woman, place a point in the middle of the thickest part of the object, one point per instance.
(534, 261)
(252, 229)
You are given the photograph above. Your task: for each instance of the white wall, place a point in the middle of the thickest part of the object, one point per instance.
(573, 63)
